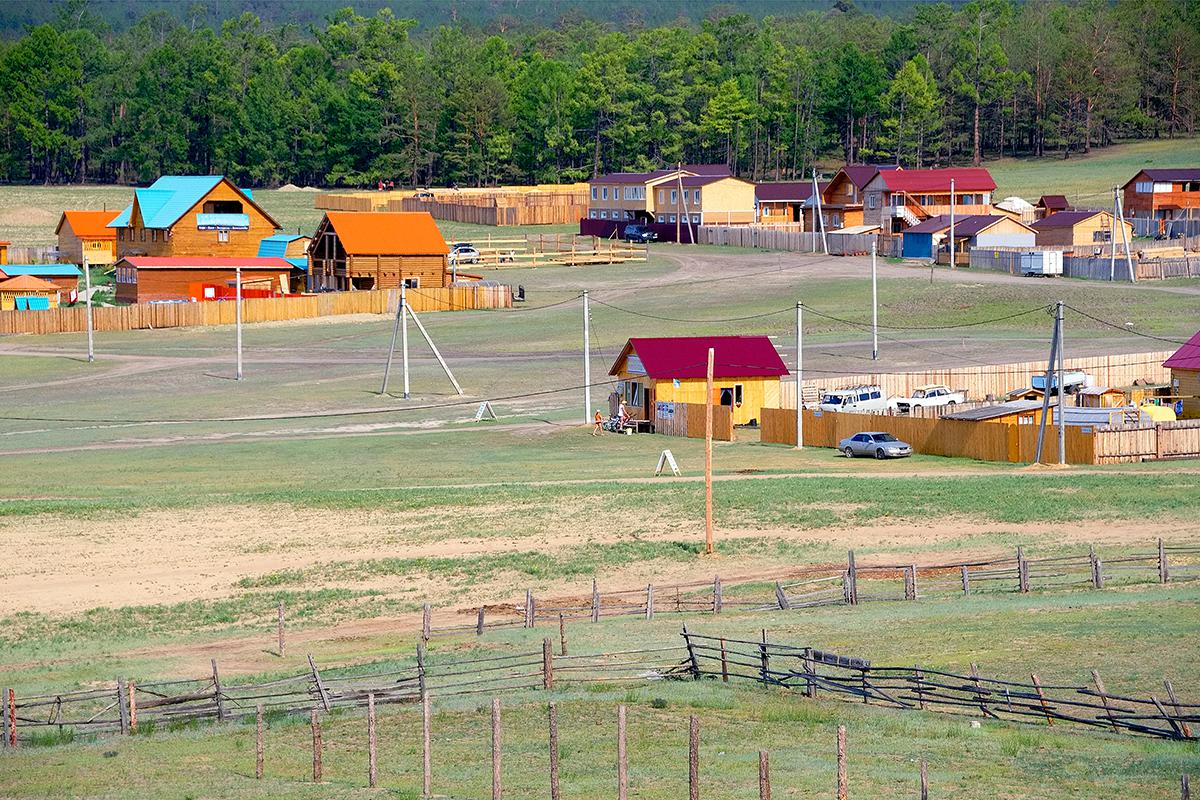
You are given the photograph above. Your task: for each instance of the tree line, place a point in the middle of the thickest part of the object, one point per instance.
(358, 99)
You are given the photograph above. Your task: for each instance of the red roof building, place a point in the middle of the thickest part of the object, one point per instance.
(1165, 195)
(146, 279)
(746, 373)
(1184, 364)
(898, 199)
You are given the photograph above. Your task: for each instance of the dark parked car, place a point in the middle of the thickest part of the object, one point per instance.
(639, 233)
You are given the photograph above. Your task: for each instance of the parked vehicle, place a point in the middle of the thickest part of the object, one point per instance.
(463, 253)
(878, 444)
(929, 396)
(639, 233)
(861, 399)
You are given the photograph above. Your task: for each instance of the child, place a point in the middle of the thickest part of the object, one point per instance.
(598, 430)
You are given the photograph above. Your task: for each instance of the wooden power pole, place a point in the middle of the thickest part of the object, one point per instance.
(708, 436)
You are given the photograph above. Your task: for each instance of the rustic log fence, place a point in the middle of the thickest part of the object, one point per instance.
(815, 672)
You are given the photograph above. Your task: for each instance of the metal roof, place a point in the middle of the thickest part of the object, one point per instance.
(27, 283)
(795, 191)
(165, 201)
(1056, 202)
(687, 357)
(1172, 175)
(276, 246)
(206, 262)
(1065, 219)
(998, 410)
(388, 233)
(88, 224)
(966, 179)
(54, 270)
(1186, 357)
(963, 226)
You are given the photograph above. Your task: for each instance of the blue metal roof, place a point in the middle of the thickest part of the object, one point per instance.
(298, 263)
(228, 221)
(167, 199)
(57, 270)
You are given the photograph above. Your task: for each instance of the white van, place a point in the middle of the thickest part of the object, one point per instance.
(859, 399)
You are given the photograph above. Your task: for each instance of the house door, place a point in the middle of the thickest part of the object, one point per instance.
(727, 396)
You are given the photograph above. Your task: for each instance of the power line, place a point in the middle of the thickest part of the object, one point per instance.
(684, 319)
(1124, 328)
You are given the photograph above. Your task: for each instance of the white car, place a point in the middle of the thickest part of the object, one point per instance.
(928, 396)
(464, 253)
(860, 399)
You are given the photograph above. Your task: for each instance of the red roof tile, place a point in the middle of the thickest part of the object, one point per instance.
(687, 357)
(966, 179)
(1187, 356)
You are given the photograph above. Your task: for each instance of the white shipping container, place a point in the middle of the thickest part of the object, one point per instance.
(1042, 262)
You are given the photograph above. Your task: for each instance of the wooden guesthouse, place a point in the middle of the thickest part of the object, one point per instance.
(746, 373)
(1184, 364)
(86, 233)
(377, 250)
(144, 279)
(27, 293)
(64, 277)
(192, 216)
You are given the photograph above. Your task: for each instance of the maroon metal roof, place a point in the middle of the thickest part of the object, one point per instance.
(795, 191)
(860, 174)
(966, 179)
(700, 180)
(1063, 219)
(631, 177)
(708, 169)
(963, 226)
(667, 358)
(1187, 356)
(1054, 202)
(1172, 175)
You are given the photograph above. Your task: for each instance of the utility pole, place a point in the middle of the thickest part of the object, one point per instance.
(799, 376)
(1046, 394)
(1061, 413)
(1124, 239)
(951, 224)
(238, 317)
(820, 214)
(708, 433)
(1112, 240)
(587, 361)
(404, 335)
(679, 205)
(401, 315)
(874, 306)
(812, 205)
(87, 284)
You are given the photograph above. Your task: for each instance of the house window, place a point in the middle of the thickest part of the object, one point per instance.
(412, 283)
(222, 236)
(120, 234)
(671, 219)
(604, 193)
(603, 215)
(696, 194)
(660, 197)
(897, 200)
(674, 196)
(154, 235)
(1162, 188)
(660, 219)
(628, 215)
(737, 394)
(593, 192)
(592, 213)
(143, 234)
(1144, 187)
(695, 219)
(873, 201)
(985, 198)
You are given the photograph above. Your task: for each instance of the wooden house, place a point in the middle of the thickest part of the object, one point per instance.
(192, 216)
(930, 238)
(86, 233)
(27, 293)
(900, 199)
(143, 279)
(1050, 204)
(292, 248)
(377, 250)
(746, 373)
(633, 196)
(1163, 195)
(843, 197)
(1080, 231)
(1184, 364)
(704, 200)
(65, 277)
(784, 202)
(1099, 397)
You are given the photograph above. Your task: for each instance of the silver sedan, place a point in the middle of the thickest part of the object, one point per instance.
(880, 445)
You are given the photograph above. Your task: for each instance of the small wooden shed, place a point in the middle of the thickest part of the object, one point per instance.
(86, 233)
(27, 293)
(1080, 231)
(746, 373)
(377, 250)
(1099, 397)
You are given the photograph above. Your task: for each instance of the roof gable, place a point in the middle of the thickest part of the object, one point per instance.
(165, 201)
(385, 233)
(1168, 175)
(88, 224)
(27, 283)
(1054, 202)
(966, 179)
(1187, 356)
(963, 226)
(1064, 219)
(666, 358)
(797, 191)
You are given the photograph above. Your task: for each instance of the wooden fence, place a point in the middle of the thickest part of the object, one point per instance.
(501, 209)
(1093, 268)
(986, 441)
(263, 309)
(815, 672)
(687, 419)
(554, 249)
(777, 238)
(32, 254)
(1116, 444)
(996, 379)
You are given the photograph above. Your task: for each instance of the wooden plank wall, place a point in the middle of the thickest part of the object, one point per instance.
(940, 437)
(998, 379)
(777, 238)
(688, 421)
(1122, 444)
(266, 309)
(506, 210)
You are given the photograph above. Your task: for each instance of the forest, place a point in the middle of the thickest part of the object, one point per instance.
(357, 98)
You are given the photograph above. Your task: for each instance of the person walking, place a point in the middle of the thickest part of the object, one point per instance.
(599, 429)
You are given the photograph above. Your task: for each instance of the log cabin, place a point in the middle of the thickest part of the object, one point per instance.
(145, 279)
(86, 233)
(1164, 195)
(192, 216)
(27, 293)
(377, 250)
(899, 199)
(746, 373)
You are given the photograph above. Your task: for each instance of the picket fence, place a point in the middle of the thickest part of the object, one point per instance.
(687, 419)
(785, 238)
(262, 309)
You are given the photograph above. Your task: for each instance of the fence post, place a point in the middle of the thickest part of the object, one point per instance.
(687, 640)
(1022, 571)
(315, 721)
(562, 636)
(966, 580)
(694, 758)
(479, 623)
(1092, 560)
(810, 675)
(426, 619)
(1187, 729)
(547, 664)
(781, 598)
(852, 573)
(764, 775)
(919, 678)
(529, 608)
(764, 658)
(1185, 787)
(279, 631)
(595, 602)
(842, 788)
(131, 693)
(122, 705)
(924, 780)
(372, 772)
(1163, 573)
(552, 720)
(421, 682)
(10, 702)
(649, 601)
(426, 746)
(497, 790)
(912, 582)
(258, 741)
(1037, 684)
(724, 662)
(1104, 699)
(717, 599)
(622, 756)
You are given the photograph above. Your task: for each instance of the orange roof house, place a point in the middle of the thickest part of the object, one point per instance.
(86, 233)
(26, 292)
(377, 250)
